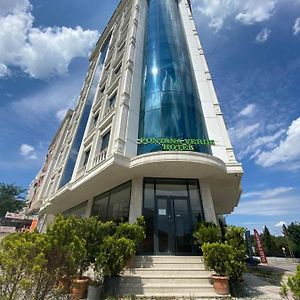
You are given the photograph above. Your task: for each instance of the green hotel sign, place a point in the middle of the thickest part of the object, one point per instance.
(171, 144)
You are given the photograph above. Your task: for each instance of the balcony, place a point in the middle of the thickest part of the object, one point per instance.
(100, 157)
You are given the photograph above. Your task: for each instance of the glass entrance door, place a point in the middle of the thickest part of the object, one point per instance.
(173, 230)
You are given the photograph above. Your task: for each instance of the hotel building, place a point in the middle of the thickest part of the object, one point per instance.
(147, 136)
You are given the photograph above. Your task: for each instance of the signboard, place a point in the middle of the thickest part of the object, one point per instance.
(7, 229)
(248, 243)
(18, 216)
(260, 247)
(162, 212)
(172, 144)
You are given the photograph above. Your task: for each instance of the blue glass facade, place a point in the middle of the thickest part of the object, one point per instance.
(170, 104)
(69, 168)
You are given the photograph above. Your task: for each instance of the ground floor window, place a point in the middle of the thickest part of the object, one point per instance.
(114, 204)
(78, 210)
(171, 208)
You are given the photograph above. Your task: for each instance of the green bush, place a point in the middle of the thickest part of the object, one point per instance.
(235, 237)
(23, 267)
(66, 247)
(207, 232)
(113, 255)
(118, 248)
(134, 232)
(217, 256)
(293, 283)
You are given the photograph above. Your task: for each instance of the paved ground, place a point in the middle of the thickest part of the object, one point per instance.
(264, 281)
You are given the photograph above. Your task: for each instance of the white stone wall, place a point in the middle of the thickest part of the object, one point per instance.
(210, 106)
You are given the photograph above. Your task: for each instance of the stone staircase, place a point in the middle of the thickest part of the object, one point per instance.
(165, 276)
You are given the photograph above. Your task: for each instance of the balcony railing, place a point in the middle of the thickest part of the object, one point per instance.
(100, 157)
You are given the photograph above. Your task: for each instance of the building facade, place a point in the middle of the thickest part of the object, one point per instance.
(147, 136)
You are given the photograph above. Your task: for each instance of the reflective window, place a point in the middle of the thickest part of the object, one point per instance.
(170, 105)
(78, 210)
(114, 204)
(105, 141)
(86, 157)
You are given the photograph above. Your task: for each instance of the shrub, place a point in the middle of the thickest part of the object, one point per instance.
(293, 283)
(114, 253)
(207, 232)
(66, 247)
(93, 232)
(134, 232)
(117, 249)
(23, 267)
(217, 256)
(235, 238)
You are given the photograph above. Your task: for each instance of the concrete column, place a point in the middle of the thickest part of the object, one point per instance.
(136, 199)
(208, 204)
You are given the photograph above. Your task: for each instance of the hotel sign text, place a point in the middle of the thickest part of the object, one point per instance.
(172, 144)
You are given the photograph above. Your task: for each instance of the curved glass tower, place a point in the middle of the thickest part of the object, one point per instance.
(170, 106)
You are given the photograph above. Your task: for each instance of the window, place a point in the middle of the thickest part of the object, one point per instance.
(78, 210)
(112, 101)
(114, 204)
(105, 141)
(95, 119)
(117, 70)
(86, 157)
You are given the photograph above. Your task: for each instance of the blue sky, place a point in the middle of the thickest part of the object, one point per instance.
(252, 48)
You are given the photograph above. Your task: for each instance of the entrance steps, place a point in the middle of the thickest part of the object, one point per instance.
(165, 276)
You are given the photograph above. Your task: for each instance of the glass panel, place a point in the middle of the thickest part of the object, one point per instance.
(119, 203)
(183, 226)
(197, 211)
(105, 141)
(86, 157)
(100, 207)
(148, 213)
(162, 225)
(78, 210)
(171, 190)
(170, 105)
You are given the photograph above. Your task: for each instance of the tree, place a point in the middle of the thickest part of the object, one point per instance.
(292, 235)
(269, 242)
(10, 195)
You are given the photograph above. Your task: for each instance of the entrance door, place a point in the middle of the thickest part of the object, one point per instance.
(173, 230)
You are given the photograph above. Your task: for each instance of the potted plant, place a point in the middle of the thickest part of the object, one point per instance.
(217, 257)
(95, 287)
(207, 232)
(92, 231)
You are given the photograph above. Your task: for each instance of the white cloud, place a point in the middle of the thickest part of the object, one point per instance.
(28, 151)
(287, 205)
(61, 114)
(268, 193)
(256, 11)
(246, 12)
(40, 52)
(286, 152)
(263, 35)
(242, 131)
(248, 110)
(4, 71)
(296, 27)
(280, 224)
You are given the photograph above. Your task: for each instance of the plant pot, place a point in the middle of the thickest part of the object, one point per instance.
(94, 292)
(64, 284)
(220, 284)
(79, 288)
